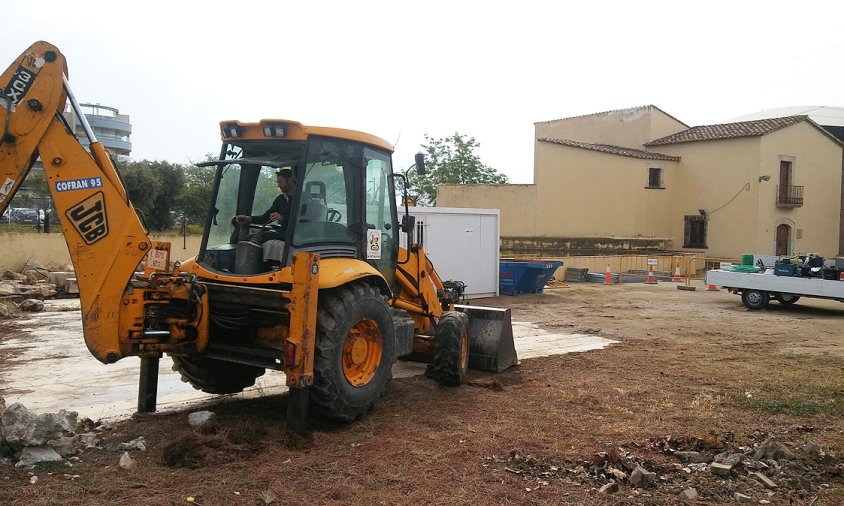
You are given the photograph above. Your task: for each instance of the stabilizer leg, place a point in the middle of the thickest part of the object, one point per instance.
(148, 385)
(297, 411)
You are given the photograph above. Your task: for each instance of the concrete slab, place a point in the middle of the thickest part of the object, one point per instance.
(49, 368)
(532, 341)
(58, 277)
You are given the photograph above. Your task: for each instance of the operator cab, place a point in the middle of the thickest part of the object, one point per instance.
(343, 203)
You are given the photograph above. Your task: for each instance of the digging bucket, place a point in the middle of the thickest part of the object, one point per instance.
(491, 346)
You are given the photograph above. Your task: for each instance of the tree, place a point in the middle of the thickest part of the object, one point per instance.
(153, 187)
(195, 198)
(39, 189)
(141, 186)
(172, 184)
(451, 160)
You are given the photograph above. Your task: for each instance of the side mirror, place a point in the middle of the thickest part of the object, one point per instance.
(408, 223)
(420, 164)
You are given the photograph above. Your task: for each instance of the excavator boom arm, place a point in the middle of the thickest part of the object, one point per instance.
(105, 237)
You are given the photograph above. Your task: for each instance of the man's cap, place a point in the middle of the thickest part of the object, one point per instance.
(285, 171)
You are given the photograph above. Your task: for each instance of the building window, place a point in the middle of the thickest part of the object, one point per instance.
(695, 232)
(788, 195)
(655, 177)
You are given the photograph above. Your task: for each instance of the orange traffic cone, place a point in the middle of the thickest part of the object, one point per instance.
(608, 276)
(677, 276)
(650, 280)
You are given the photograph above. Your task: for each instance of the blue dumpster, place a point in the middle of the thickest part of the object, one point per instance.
(515, 278)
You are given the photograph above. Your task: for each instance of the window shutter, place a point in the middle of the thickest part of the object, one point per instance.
(694, 231)
(654, 177)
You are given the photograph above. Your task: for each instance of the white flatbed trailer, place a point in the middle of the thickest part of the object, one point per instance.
(757, 289)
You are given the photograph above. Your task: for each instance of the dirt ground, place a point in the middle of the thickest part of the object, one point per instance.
(694, 371)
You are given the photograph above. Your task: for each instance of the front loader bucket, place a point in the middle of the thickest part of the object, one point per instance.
(491, 346)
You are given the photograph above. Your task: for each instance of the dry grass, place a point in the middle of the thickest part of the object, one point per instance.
(520, 437)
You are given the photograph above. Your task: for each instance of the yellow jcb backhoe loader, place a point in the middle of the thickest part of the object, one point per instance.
(329, 298)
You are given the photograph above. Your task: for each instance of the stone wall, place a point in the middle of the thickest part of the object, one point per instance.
(51, 249)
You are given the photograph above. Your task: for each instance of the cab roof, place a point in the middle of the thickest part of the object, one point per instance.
(233, 130)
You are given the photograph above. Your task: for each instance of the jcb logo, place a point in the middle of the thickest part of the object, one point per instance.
(89, 218)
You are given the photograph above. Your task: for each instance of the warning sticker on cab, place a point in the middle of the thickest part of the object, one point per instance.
(373, 244)
(86, 183)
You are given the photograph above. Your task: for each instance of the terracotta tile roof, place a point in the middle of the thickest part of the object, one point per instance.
(754, 128)
(607, 113)
(613, 150)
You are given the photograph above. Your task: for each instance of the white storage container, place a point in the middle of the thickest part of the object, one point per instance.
(462, 244)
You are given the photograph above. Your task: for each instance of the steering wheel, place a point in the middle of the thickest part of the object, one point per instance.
(333, 215)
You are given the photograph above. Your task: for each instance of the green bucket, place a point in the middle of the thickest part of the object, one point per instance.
(747, 259)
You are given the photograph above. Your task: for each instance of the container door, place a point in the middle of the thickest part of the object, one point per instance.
(453, 243)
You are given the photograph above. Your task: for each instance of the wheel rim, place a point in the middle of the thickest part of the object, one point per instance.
(464, 351)
(754, 297)
(362, 352)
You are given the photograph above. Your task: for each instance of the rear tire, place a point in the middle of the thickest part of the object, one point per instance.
(216, 376)
(355, 351)
(786, 298)
(451, 349)
(755, 299)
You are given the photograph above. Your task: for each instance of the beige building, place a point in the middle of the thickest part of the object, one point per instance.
(639, 179)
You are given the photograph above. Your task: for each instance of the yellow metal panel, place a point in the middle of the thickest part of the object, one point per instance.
(303, 312)
(419, 283)
(336, 272)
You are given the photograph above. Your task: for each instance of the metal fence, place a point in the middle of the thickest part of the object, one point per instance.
(634, 268)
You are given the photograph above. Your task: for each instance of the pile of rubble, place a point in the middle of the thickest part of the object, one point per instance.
(764, 471)
(26, 290)
(28, 439)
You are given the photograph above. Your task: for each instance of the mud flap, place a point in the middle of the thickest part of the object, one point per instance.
(491, 346)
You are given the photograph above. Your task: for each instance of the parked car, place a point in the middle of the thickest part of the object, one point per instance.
(25, 216)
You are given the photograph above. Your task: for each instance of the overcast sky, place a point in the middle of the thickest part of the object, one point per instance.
(400, 70)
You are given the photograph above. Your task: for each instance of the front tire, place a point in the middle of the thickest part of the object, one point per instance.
(355, 351)
(216, 376)
(451, 349)
(755, 299)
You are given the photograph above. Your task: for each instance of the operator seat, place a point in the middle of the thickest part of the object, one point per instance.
(314, 206)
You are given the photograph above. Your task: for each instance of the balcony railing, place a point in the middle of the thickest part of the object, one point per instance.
(789, 196)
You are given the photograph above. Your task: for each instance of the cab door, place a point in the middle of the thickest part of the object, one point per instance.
(381, 234)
